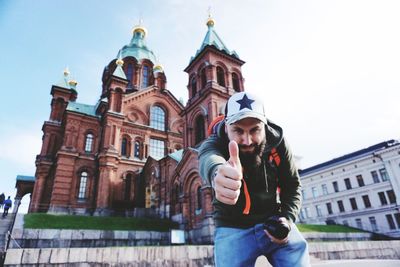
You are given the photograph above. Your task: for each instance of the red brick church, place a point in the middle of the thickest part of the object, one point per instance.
(134, 152)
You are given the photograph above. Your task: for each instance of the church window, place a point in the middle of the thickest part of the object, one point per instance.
(220, 76)
(157, 118)
(200, 130)
(145, 77)
(203, 77)
(137, 149)
(125, 147)
(194, 87)
(235, 82)
(82, 185)
(89, 143)
(157, 149)
(199, 198)
(129, 74)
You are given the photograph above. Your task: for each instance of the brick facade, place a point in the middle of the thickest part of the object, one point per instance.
(97, 160)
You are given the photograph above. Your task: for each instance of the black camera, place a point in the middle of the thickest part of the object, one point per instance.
(276, 228)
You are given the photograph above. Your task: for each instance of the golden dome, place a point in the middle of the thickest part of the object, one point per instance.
(158, 67)
(210, 22)
(120, 62)
(139, 28)
(72, 83)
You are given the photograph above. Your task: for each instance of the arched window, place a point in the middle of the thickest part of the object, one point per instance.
(235, 82)
(157, 118)
(199, 130)
(194, 86)
(128, 187)
(137, 149)
(203, 77)
(129, 74)
(82, 185)
(125, 147)
(220, 76)
(89, 143)
(145, 76)
(199, 198)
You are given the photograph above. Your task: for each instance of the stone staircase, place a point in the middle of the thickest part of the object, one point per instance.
(5, 224)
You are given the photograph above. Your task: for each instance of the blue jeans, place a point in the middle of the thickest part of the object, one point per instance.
(236, 247)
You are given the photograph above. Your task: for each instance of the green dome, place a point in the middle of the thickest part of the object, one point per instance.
(137, 47)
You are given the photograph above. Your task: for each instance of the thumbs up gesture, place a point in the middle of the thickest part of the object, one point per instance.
(228, 177)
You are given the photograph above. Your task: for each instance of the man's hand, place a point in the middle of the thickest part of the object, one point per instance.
(228, 178)
(276, 240)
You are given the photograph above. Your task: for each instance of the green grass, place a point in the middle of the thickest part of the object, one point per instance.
(327, 228)
(47, 221)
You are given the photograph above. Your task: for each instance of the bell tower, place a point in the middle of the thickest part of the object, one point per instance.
(214, 74)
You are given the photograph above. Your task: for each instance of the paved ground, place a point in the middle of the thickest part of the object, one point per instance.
(262, 262)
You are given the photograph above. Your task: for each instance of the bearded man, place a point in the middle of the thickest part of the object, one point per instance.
(257, 191)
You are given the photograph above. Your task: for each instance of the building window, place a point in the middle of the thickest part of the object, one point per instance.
(314, 192)
(382, 198)
(340, 205)
(194, 87)
(359, 224)
(125, 147)
(347, 183)
(129, 74)
(335, 186)
(329, 208)
(157, 149)
(157, 118)
(82, 185)
(367, 203)
(360, 180)
(89, 143)
(220, 76)
(384, 175)
(324, 189)
(203, 77)
(390, 221)
(304, 195)
(372, 221)
(307, 212)
(375, 177)
(397, 217)
(200, 129)
(145, 76)
(301, 214)
(319, 211)
(137, 149)
(391, 196)
(345, 222)
(199, 198)
(235, 82)
(353, 203)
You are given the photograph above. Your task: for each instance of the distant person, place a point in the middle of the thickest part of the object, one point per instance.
(2, 198)
(7, 205)
(257, 191)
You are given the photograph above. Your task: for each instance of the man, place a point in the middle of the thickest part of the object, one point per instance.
(257, 195)
(2, 198)
(7, 206)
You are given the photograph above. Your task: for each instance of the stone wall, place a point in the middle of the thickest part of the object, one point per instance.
(184, 255)
(176, 256)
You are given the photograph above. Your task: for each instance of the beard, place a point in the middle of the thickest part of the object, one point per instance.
(254, 158)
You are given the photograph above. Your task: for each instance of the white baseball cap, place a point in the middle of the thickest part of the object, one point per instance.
(244, 105)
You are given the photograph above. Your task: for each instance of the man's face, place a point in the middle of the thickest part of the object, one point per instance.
(249, 133)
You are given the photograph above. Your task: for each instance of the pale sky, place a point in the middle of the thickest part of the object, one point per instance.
(328, 71)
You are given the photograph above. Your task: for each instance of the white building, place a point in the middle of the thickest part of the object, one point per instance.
(360, 189)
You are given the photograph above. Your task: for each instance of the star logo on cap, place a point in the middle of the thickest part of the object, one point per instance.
(245, 102)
